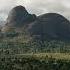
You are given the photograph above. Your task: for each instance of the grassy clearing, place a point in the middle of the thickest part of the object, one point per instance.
(38, 61)
(57, 56)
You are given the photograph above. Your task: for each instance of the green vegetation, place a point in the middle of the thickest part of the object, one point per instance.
(23, 45)
(21, 52)
(33, 62)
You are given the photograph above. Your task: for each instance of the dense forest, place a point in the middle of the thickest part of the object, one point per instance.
(22, 44)
(19, 52)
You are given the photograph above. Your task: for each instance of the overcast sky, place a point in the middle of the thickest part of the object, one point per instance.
(36, 7)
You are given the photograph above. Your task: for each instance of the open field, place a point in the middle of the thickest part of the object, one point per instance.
(57, 56)
(38, 61)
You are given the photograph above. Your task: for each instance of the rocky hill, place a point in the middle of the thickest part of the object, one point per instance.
(49, 25)
(18, 18)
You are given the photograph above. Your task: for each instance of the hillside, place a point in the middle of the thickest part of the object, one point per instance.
(48, 32)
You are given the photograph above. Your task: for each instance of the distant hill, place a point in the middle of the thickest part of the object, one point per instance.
(49, 25)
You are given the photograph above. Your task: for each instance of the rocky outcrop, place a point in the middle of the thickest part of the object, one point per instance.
(19, 16)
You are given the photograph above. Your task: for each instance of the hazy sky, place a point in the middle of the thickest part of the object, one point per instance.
(36, 6)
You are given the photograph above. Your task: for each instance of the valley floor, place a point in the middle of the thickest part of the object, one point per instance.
(57, 56)
(35, 61)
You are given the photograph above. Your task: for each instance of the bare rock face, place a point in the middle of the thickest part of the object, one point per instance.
(18, 19)
(19, 16)
(51, 25)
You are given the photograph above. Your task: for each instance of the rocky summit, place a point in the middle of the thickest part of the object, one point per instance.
(19, 16)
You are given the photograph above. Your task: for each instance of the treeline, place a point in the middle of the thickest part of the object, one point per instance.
(17, 43)
(20, 47)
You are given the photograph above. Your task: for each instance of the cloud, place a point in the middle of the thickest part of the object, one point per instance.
(5, 7)
(6, 4)
(37, 6)
(44, 6)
